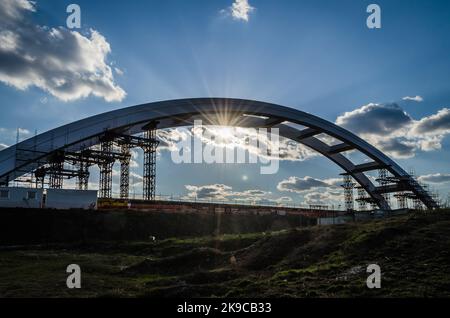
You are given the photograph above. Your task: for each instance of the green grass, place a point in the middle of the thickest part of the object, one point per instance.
(322, 261)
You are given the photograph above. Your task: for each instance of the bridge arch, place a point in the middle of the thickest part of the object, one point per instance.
(85, 133)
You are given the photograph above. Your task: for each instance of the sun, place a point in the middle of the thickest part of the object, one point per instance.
(225, 133)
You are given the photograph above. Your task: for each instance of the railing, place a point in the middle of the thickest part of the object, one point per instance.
(262, 203)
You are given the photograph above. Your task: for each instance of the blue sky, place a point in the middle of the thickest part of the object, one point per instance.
(316, 56)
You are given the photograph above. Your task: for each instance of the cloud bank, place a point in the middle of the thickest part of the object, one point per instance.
(392, 130)
(224, 192)
(288, 149)
(323, 198)
(63, 63)
(313, 191)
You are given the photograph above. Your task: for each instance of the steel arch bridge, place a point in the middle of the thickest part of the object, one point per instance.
(85, 133)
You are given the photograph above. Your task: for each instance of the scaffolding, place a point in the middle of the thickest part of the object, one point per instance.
(125, 171)
(437, 198)
(362, 198)
(148, 143)
(402, 199)
(105, 186)
(54, 167)
(39, 175)
(384, 180)
(415, 194)
(55, 171)
(83, 175)
(416, 202)
(150, 162)
(348, 186)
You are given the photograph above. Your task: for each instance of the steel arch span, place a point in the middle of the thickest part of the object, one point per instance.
(85, 133)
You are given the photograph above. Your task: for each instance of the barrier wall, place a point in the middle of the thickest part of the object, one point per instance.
(208, 208)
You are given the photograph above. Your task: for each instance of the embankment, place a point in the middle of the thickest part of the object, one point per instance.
(22, 226)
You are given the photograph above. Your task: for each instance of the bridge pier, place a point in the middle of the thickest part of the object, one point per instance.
(149, 177)
(348, 186)
(105, 186)
(83, 176)
(384, 180)
(55, 171)
(125, 171)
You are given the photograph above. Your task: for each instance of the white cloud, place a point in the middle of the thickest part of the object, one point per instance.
(211, 191)
(437, 124)
(118, 71)
(300, 185)
(13, 9)
(374, 119)
(333, 182)
(23, 131)
(323, 197)
(283, 199)
(135, 179)
(222, 192)
(169, 138)
(435, 178)
(134, 164)
(238, 138)
(8, 41)
(314, 191)
(63, 63)
(392, 130)
(240, 10)
(414, 98)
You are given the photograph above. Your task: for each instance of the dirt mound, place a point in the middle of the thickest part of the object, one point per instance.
(271, 250)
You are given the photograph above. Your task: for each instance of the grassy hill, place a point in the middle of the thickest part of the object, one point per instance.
(318, 261)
